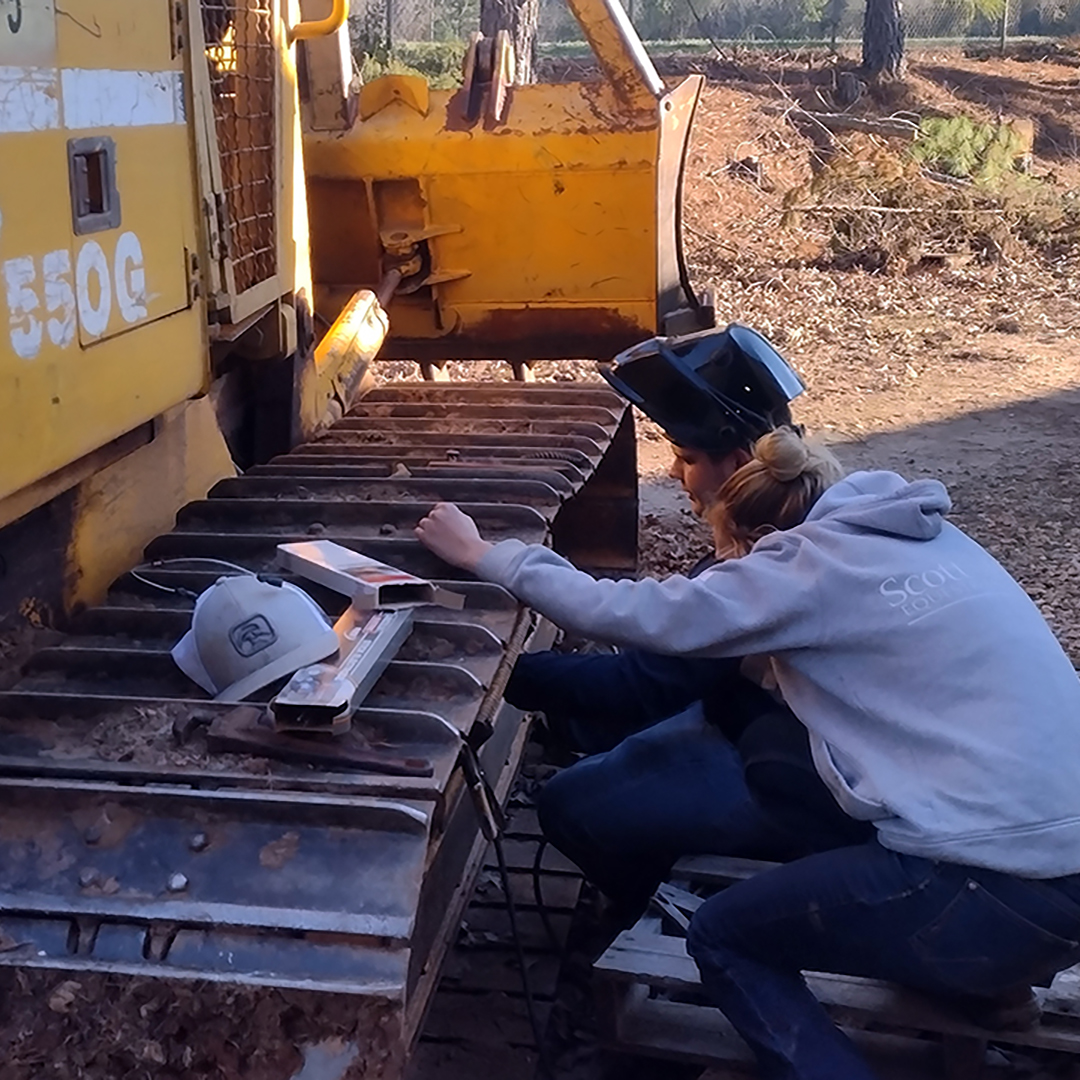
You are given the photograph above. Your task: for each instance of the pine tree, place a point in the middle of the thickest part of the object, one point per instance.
(883, 40)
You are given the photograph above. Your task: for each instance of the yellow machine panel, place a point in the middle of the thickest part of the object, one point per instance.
(541, 221)
(513, 228)
(97, 230)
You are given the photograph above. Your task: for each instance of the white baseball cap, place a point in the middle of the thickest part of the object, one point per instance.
(246, 633)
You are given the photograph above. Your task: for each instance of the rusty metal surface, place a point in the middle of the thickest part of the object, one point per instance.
(675, 287)
(93, 731)
(559, 477)
(573, 167)
(211, 857)
(536, 494)
(449, 457)
(525, 333)
(461, 443)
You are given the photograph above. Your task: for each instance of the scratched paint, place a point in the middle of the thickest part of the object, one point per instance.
(80, 99)
(130, 278)
(29, 99)
(23, 303)
(93, 288)
(59, 297)
(96, 98)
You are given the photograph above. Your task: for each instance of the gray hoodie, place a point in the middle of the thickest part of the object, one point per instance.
(940, 705)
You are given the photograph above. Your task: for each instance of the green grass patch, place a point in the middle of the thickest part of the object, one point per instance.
(439, 62)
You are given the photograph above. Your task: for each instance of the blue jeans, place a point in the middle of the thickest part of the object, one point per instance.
(941, 928)
(677, 788)
(593, 701)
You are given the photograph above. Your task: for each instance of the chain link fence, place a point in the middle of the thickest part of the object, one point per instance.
(417, 32)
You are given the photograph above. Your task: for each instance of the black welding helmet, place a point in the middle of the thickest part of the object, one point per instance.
(715, 390)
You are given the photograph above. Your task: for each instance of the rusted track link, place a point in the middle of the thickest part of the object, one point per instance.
(125, 850)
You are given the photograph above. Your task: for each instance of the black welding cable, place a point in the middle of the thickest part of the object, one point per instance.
(491, 825)
(180, 590)
(157, 564)
(538, 896)
(546, 1069)
(177, 590)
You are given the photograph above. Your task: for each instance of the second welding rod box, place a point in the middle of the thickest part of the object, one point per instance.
(367, 582)
(323, 697)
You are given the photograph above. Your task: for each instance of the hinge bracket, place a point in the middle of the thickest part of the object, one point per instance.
(177, 26)
(194, 280)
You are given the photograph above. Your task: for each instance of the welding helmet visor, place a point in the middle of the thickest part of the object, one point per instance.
(716, 391)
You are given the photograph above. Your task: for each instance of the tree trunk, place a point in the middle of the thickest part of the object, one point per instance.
(519, 18)
(883, 40)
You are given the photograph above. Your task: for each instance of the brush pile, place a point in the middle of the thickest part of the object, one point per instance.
(952, 196)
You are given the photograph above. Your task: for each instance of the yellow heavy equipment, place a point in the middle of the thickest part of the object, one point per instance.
(208, 231)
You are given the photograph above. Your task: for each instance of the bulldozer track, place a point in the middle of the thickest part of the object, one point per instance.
(126, 847)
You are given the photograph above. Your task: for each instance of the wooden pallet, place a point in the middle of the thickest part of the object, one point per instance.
(651, 1003)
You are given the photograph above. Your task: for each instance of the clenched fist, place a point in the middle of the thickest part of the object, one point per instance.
(453, 536)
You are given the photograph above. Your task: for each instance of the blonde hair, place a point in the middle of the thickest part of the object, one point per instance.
(773, 492)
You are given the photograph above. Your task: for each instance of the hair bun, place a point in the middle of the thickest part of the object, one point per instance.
(783, 453)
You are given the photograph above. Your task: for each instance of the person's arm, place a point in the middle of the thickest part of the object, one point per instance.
(762, 603)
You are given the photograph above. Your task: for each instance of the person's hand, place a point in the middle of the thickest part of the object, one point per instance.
(453, 536)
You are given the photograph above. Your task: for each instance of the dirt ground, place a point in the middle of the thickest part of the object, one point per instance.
(967, 372)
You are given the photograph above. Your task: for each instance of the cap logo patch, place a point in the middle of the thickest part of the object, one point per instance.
(252, 635)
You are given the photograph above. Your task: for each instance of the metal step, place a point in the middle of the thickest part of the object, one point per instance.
(562, 478)
(327, 460)
(318, 490)
(491, 395)
(430, 411)
(473, 443)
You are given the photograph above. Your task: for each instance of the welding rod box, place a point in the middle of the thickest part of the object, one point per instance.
(367, 582)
